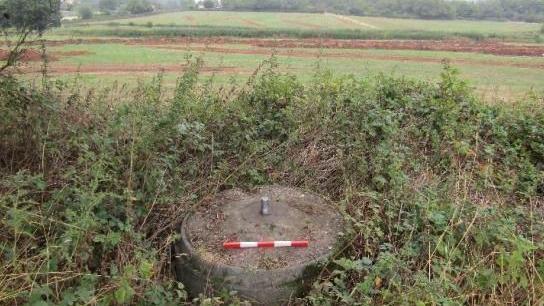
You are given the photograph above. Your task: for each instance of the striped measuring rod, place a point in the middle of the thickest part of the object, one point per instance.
(265, 244)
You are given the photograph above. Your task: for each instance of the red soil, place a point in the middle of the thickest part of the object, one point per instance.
(28, 55)
(306, 53)
(488, 47)
(71, 53)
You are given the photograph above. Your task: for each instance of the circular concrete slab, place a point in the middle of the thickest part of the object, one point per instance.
(266, 276)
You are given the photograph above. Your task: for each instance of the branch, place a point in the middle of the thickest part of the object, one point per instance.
(17, 50)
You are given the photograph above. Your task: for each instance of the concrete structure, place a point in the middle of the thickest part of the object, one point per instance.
(269, 276)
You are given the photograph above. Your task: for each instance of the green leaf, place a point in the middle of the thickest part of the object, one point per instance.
(145, 269)
(124, 293)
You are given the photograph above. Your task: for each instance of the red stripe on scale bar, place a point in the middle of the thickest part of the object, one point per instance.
(265, 244)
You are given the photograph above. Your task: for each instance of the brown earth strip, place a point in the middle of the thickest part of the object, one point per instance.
(71, 53)
(31, 55)
(314, 54)
(28, 55)
(487, 47)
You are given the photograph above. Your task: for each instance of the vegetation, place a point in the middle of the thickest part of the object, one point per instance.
(443, 195)
(139, 6)
(209, 4)
(263, 24)
(135, 7)
(514, 10)
(29, 15)
(85, 12)
(521, 10)
(24, 20)
(136, 30)
(108, 5)
(497, 78)
(160, 30)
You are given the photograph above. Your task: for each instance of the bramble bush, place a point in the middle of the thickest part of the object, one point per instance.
(442, 194)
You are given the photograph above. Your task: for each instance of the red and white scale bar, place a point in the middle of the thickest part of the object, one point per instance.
(265, 244)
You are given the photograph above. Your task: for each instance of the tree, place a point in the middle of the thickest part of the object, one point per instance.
(139, 6)
(187, 4)
(30, 15)
(20, 20)
(108, 5)
(85, 12)
(521, 10)
(209, 4)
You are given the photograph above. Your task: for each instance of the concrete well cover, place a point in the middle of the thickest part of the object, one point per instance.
(235, 216)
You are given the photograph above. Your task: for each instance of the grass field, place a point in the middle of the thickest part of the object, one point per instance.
(495, 77)
(262, 24)
(494, 69)
(328, 21)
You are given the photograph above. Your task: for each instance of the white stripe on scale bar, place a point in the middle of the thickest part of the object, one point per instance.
(248, 244)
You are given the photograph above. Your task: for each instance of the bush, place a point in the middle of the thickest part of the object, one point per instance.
(440, 192)
(85, 12)
(205, 31)
(138, 7)
(209, 4)
(108, 5)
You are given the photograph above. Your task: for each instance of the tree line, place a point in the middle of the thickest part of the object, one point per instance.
(515, 10)
(86, 8)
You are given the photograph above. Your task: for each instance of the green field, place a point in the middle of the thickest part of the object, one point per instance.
(328, 21)
(262, 24)
(495, 77)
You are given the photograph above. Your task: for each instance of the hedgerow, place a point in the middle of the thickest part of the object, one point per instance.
(168, 30)
(442, 194)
